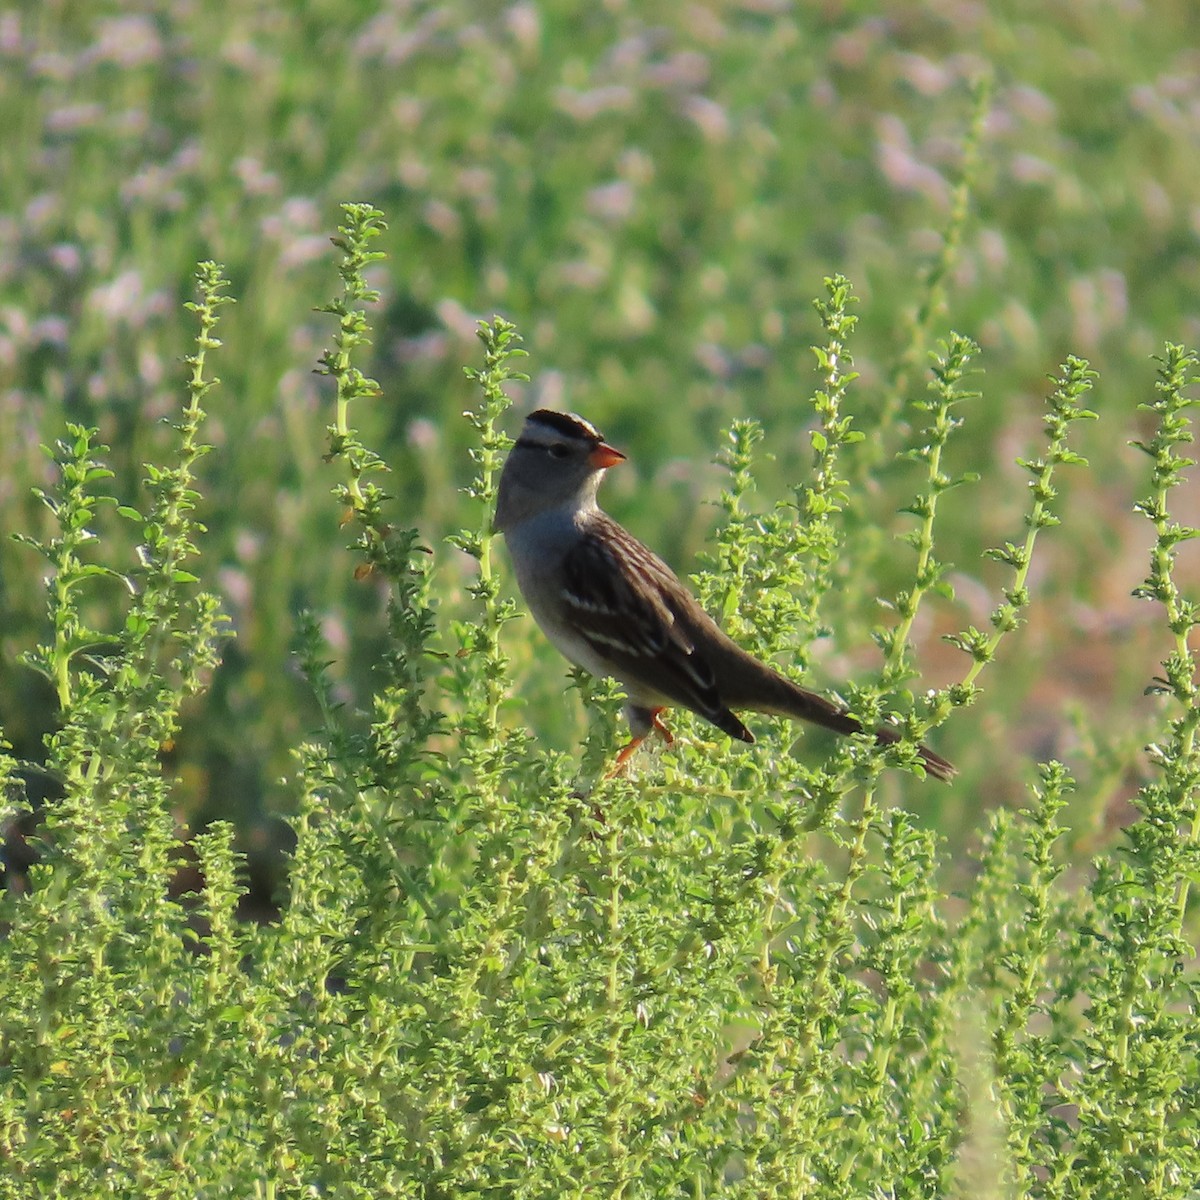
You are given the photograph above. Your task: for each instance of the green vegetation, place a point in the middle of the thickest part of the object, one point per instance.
(316, 885)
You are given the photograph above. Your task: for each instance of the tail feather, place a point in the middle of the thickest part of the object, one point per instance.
(937, 766)
(808, 706)
(771, 692)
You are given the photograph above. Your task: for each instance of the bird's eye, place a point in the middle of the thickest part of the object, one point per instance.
(558, 450)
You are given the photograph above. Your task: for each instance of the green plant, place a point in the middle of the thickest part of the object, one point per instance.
(497, 972)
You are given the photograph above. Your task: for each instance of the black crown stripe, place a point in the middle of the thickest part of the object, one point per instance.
(568, 424)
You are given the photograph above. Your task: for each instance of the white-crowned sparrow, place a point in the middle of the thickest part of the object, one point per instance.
(614, 608)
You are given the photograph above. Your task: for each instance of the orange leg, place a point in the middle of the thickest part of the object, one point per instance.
(663, 732)
(656, 725)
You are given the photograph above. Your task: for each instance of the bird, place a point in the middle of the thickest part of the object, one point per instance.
(610, 605)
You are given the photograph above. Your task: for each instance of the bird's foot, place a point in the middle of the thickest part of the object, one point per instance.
(622, 761)
(656, 726)
(656, 723)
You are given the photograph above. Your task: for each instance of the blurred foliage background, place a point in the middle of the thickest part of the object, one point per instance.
(653, 192)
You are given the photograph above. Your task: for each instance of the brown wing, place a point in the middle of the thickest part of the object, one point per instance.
(633, 611)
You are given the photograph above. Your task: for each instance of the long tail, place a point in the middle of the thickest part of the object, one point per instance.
(771, 692)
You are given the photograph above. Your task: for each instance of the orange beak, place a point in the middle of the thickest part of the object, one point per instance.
(605, 455)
